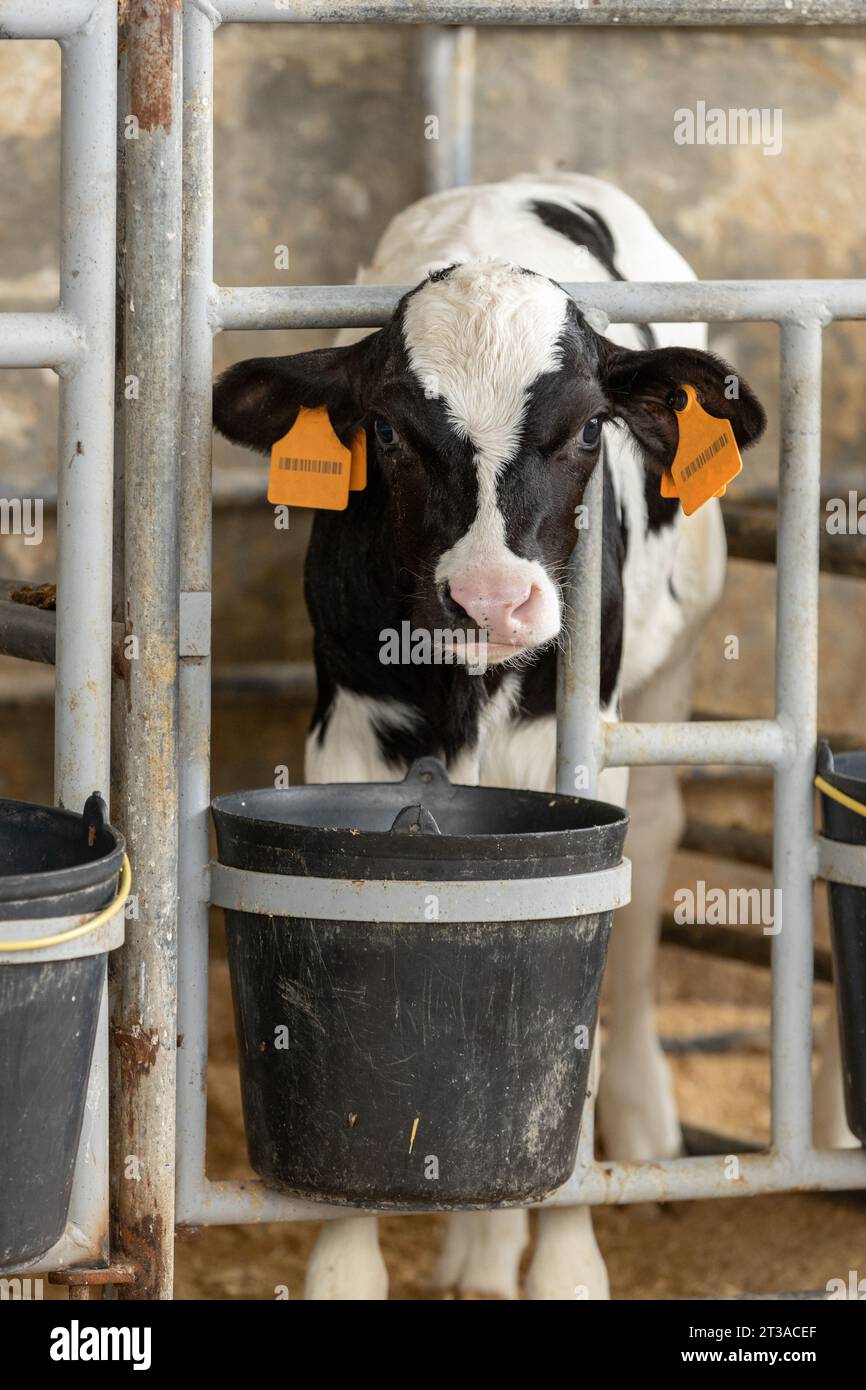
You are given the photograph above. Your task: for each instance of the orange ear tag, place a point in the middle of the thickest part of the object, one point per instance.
(668, 486)
(309, 465)
(358, 475)
(707, 457)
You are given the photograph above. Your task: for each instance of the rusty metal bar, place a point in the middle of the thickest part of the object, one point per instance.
(143, 1022)
(634, 14)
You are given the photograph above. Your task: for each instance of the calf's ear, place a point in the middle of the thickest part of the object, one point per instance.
(642, 387)
(256, 402)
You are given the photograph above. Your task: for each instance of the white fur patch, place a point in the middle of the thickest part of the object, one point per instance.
(478, 339)
(350, 751)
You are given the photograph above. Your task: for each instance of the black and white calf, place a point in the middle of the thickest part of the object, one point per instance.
(488, 400)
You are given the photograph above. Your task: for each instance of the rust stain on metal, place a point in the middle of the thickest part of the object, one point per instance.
(138, 1052)
(36, 596)
(120, 663)
(152, 73)
(142, 1242)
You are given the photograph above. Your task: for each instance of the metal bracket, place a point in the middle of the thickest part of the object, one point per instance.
(384, 900)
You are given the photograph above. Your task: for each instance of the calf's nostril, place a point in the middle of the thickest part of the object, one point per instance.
(524, 612)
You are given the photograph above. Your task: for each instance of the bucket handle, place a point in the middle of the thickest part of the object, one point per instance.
(842, 797)
(88, 926)
(427, 770)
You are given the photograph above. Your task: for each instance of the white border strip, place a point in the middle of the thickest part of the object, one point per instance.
(839, 862)
(386, 900)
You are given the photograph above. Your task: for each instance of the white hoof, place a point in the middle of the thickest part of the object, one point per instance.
(637, 1112)
(829, 1123)
(567, 1263)
(347, 1263)
(481, 1253)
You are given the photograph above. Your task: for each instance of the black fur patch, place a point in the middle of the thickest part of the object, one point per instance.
(586, 228)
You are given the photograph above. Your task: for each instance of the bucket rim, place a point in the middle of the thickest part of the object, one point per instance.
(832, 767)
(59, 883)
(227, 806)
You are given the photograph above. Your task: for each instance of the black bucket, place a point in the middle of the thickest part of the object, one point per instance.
(431, 1048)
(846, 772)
(54, 866)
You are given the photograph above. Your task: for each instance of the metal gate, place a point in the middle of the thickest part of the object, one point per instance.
(162, 787)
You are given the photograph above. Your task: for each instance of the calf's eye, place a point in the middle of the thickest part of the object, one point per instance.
(591, 433)
(385, 433)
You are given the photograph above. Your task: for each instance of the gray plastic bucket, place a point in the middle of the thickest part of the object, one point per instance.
(57, 870)
(416, 969)
(846, 772)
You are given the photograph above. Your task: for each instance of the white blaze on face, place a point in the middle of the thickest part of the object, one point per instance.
(478, 339)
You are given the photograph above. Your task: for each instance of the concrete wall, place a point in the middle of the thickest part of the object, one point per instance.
(319, 142)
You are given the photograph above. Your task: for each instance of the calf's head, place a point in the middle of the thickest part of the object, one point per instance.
(485, 400)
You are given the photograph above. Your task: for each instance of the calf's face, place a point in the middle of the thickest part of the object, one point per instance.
(485, 402)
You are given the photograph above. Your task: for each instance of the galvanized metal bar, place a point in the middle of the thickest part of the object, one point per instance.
(51, 339)
(714, 301)
(604, 1184)
(144, 1022)
(794, 858)
(45, 19)
(464, 104)
(195, 577)
(637, 13)
(695, 1179)
(578, 676)
(28, 633)
(84, 482)
(85, 472)
(446, 67)
(578, 671)
(756, 742)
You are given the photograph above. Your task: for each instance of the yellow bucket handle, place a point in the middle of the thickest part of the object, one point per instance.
(36, 943)
(841, 797)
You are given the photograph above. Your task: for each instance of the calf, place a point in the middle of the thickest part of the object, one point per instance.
(488, 400)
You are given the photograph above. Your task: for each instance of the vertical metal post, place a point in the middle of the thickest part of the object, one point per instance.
(578, 672)
(797, 560)
(464, 104)
(84, 508)
(195, 580)
(446, 73)
(144, 1026)
(84, 484)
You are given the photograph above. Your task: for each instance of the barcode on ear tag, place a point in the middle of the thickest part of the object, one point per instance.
(309, 465)
(707, 457)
